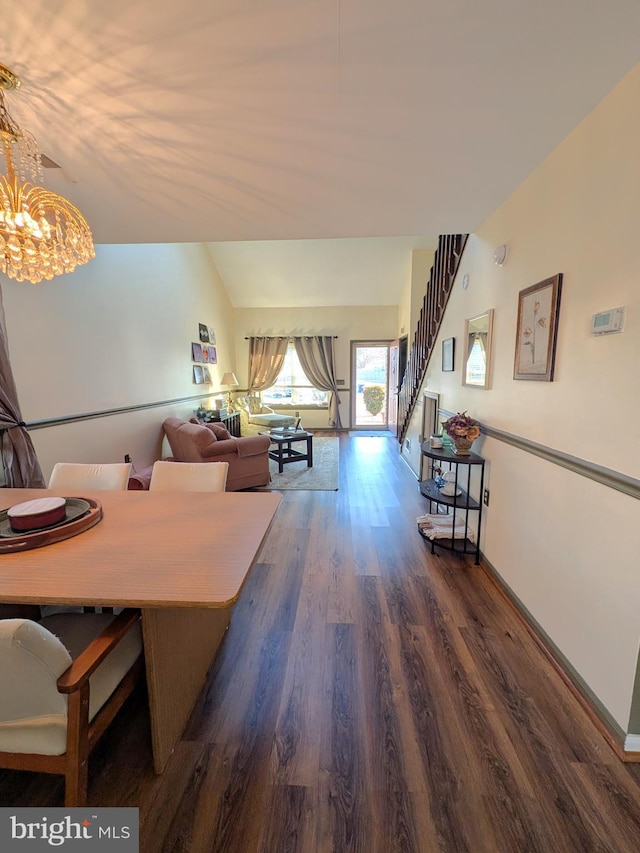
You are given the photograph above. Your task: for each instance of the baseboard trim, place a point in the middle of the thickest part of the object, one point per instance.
(408, 464)
(626, 747)
(632, 747)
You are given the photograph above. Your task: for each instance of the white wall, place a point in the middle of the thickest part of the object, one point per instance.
(348, 323)
(566, 546)
(117, 332)
(414, 290)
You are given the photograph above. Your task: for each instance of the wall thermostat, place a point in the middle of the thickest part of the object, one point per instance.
(607, 321)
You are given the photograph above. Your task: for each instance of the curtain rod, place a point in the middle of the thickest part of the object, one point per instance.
(288, 337)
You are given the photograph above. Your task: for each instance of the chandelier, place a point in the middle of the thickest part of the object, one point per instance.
(41, 233)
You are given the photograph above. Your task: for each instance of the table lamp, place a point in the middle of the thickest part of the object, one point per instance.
(229, 379)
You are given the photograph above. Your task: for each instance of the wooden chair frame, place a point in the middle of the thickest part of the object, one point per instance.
(83, 735)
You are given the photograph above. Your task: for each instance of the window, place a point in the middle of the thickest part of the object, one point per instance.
(476, 365)
(292, 388)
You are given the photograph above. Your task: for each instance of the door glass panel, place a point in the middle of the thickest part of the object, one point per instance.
(370, 373)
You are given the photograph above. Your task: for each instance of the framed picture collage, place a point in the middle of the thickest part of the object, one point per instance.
(203, 353)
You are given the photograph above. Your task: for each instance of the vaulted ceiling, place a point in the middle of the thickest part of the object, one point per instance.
(268, 120)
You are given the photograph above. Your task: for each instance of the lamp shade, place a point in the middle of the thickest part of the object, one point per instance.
(229, 379)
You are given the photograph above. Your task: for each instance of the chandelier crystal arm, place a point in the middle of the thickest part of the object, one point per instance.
(11, 174)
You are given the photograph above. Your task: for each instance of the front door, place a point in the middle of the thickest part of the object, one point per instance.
(369, 384)
(393, 386)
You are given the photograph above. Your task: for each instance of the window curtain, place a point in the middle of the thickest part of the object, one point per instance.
(318, 362)
(266, 357)
(19, 460)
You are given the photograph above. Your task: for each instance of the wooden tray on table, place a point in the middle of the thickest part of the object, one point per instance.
(80, 514)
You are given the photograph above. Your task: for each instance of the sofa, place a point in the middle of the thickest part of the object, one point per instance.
(248, 457)
(255, 416)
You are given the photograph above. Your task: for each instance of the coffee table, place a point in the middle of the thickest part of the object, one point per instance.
(283, 452)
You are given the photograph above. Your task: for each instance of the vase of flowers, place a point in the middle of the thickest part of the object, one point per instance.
(463, 431)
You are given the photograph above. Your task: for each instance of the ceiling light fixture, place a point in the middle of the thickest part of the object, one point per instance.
(41, 233)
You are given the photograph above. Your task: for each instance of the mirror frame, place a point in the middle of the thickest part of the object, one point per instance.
(467, 350)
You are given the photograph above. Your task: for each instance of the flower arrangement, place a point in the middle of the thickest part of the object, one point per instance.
(461, 426)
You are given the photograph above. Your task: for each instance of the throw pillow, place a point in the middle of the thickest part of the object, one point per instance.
(255, 405)
(220, 431)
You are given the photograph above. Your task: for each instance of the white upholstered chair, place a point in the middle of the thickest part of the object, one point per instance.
(189, 476)
(63, 680)
(256, 417)
(71, 476)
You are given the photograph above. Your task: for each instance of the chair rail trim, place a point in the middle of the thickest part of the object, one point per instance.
(606, 476)
(105, 413)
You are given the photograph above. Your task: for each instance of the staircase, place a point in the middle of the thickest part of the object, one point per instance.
(443, 273)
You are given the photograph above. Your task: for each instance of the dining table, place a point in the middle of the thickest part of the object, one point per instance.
(182, 558)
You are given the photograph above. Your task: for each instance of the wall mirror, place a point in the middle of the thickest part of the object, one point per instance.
(476, 367)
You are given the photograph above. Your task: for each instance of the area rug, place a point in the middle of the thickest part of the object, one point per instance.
(322, 477)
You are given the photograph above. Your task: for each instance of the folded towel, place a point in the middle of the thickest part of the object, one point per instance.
(441, 526)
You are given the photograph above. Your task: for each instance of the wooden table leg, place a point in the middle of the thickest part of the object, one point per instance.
(179, 647)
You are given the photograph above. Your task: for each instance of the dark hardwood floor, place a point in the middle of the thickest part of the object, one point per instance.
(368, 697)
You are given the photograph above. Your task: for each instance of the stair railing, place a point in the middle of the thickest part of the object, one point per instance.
(443, 273)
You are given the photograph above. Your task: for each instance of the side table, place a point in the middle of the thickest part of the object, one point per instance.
(460, 505)
(232, 423)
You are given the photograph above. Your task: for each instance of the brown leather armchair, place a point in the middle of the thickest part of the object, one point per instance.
(248, 457)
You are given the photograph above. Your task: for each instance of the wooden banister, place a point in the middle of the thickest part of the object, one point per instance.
(443, 272)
